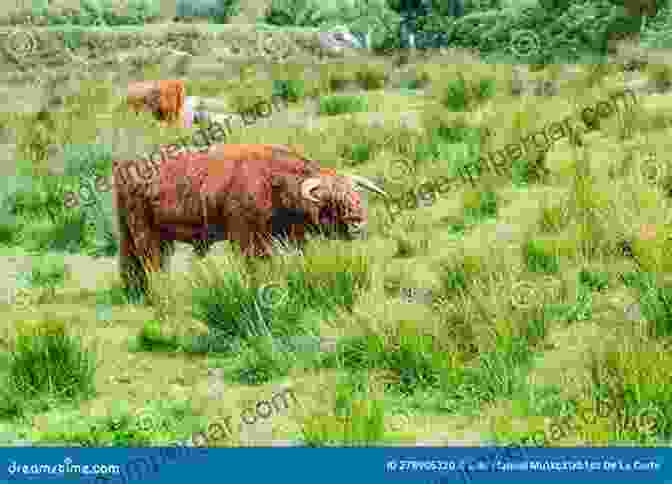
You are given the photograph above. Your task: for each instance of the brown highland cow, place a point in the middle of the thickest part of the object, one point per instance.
(248, 194)
(164, 99)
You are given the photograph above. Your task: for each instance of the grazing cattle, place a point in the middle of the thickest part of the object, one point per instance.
(248, 194)
(164, 99)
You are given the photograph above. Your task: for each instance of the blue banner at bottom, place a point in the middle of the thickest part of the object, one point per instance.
(335, 465)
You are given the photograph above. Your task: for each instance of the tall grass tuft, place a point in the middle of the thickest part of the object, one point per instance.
(335, 105)
(357, 419)
(47, 364)
(259, 319)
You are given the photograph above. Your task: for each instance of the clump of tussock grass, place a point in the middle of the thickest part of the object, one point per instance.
(414, 360)
(588, 210)
(372, 76)
(46, 365)
(660, 75)
(452, 375)
(475, 340)
(41, 214)
(461, 95)
(163, 422)
(632, 381)
(538, 259)
(291, 90)
(410, 245)
(479, 204)
(153, 337)
(357, 418)
(535, 404)
(46, 273)
(526, 171)
(594, 280)
(358, 153)
(259, 319)
(655, 300)
(553, 218)
(342, 104)
(69, 233)
(498, 359)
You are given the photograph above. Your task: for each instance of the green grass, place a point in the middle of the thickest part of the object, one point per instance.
(464, 354)
(341, 104)
(357, 418)
(161, 422)
(655, 300)
(46, 365)
(292, 90)
(537, 259)
(152, 338)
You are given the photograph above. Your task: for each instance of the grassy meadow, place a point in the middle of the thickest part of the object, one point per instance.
(545, 287)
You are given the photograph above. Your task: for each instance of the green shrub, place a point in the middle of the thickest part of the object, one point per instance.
(576, 33)
(104, 13)
(655, 300)
(218, 11)
(657, 33)
(298, 13)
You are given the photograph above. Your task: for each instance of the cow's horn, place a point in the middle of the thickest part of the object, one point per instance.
(308, 186)
(366, 183)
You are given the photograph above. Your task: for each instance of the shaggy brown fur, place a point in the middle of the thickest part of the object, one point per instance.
(248, 194)
(165, 99)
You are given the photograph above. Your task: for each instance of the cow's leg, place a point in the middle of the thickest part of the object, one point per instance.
(143, 248)
(167, 251)
(132, 274)
(251, 244)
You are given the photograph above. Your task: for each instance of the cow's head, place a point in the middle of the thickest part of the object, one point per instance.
(333, 203)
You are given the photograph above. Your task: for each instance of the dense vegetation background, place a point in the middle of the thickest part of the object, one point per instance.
(566, 29)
